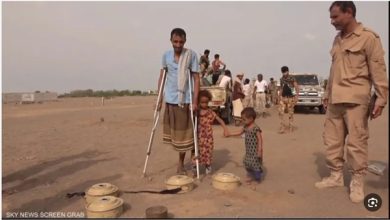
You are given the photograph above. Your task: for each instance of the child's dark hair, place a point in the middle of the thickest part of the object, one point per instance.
(246, 81)
(249, 112)
(204, 93)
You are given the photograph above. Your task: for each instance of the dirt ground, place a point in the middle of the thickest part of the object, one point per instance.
(55, 148)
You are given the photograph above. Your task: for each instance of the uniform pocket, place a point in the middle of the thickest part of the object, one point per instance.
(355, 61)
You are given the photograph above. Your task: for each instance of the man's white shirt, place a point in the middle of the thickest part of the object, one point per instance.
(261, 86)
(225, 82)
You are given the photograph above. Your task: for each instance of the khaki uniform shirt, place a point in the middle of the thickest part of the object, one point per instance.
(272, 86)
(357, 64)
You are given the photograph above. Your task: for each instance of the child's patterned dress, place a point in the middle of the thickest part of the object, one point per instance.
(205, 136)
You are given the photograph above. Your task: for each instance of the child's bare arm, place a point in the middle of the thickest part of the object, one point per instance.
(222, 123)
(259, 144)
(237, 133)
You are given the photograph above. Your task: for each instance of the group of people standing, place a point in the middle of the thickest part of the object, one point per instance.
(262, 94)
(180, 67)
(357, 67)
(259, 94)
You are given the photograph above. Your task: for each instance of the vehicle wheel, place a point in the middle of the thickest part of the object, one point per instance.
(321, 109)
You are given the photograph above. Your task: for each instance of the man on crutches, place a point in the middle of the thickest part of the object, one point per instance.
(181, 98)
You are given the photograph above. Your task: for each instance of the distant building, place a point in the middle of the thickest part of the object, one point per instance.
(29, 97)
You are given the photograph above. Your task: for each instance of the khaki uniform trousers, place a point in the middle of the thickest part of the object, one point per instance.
(260, 102)
(274, 97)
(342, 120)
(286, 105)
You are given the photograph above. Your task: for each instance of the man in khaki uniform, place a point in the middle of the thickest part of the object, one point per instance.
(272, 91)
(287, 99)
(357, 65)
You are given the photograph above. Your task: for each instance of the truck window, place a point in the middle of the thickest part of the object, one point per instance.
(311, 80)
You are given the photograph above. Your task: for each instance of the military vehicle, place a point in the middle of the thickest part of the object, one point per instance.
(310, 91)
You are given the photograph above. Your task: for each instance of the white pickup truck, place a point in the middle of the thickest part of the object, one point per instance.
(310, 91)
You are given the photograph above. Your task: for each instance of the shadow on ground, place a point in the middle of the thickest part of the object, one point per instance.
(51, 177)
(33, 170)
(322, 169)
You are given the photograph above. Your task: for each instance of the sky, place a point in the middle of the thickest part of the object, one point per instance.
(66, 46)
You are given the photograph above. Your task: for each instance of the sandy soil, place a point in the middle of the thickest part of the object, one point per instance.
(51, 149)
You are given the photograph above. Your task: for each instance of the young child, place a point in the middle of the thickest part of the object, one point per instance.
(205, 131)
(253, 160)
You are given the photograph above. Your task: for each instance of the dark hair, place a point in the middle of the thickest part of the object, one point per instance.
(249, 112)
(228, 73)
(216, 56)
(204, 93)
(207, 51)
(259, 75)
(246, 81)
(179, 32)
(271, 79)
(284, 69)
(344, 5)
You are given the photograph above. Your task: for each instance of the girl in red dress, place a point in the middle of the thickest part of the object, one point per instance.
(205, 130)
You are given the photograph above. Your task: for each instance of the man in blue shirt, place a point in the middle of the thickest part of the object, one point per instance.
(178, 127)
